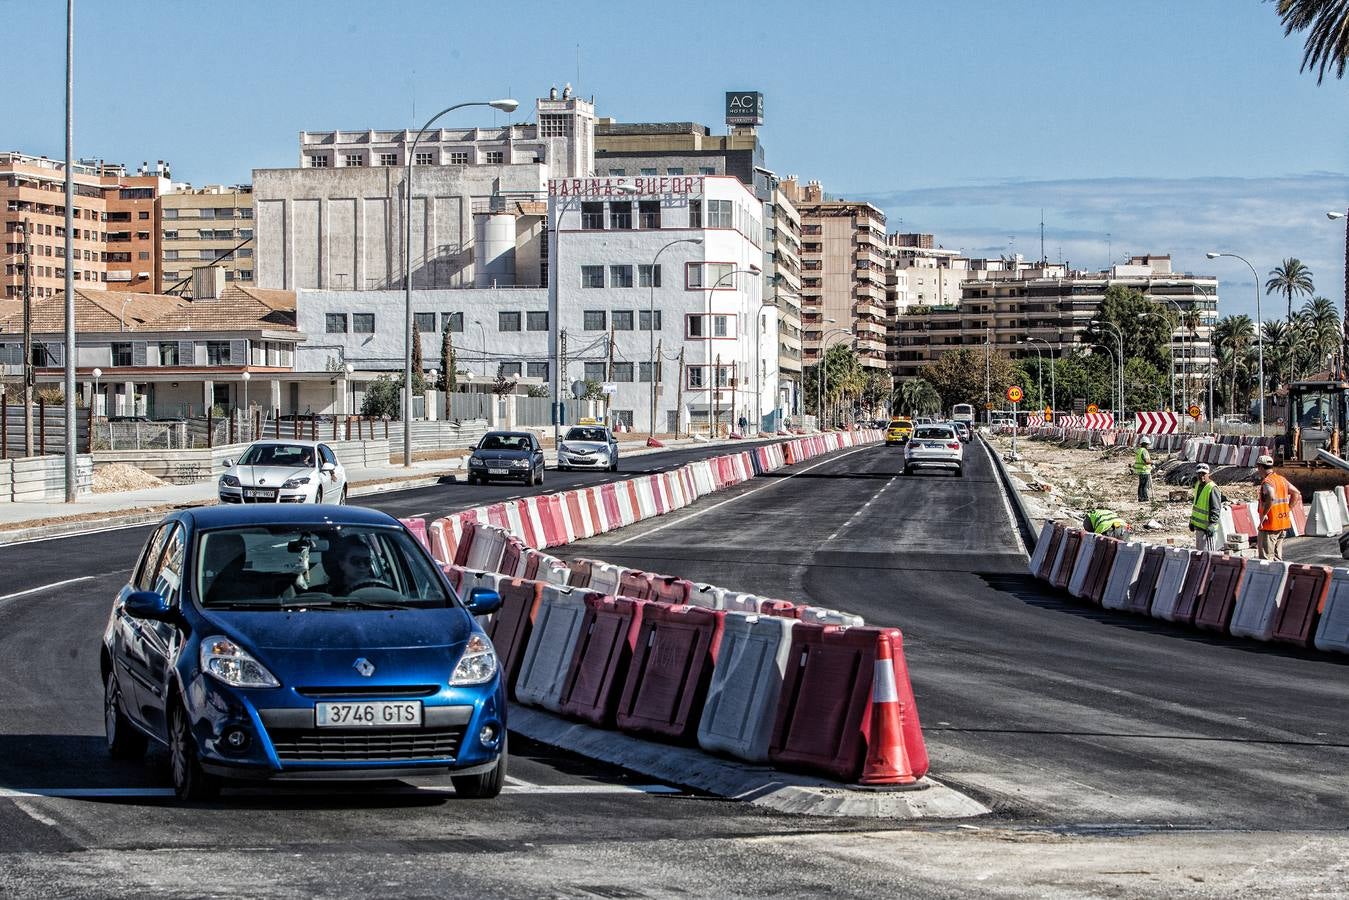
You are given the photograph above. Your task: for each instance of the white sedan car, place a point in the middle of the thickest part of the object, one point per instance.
(934, 446)
(284, 472)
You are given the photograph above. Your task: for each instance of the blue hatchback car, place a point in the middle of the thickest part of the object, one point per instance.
(280, 642)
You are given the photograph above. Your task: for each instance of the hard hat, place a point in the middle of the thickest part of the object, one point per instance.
(1202, 469)
(1265, 460)
(1146, 442)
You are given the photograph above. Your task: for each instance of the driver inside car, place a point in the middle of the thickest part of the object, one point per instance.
(351, 564)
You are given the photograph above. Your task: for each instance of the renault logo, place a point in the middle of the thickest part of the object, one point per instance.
(364, 667)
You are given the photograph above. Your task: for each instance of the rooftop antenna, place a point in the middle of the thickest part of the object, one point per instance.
(1043, 258)
(1109, 250)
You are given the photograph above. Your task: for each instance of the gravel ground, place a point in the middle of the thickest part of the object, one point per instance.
(115, 477)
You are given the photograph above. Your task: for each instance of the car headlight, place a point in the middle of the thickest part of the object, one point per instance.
(563, 448)
(229, 481)
(477, 665)
(293, 483)
(520, 463)
(226, 661)
(474, 461)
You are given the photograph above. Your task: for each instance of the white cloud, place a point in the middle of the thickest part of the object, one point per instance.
(1263, 219)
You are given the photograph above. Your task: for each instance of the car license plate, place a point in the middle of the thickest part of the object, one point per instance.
(260, 493)
(369, 714)
(496, 471)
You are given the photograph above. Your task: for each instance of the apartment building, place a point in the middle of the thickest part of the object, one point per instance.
(1019, 306)
(843, 274)
(115, 223)
(212, 225)
(782, 267)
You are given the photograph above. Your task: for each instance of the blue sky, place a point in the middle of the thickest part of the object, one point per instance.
(1171, 127)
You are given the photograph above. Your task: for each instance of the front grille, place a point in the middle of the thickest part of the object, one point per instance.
(339, 745)
(393, 691)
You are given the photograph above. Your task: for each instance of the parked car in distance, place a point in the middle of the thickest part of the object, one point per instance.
(588, 447)
(934, 446)
(278, 643)
(278, 471)
(898, 431)
(506, 454)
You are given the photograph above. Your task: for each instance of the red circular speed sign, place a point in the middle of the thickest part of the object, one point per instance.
(1014, 394)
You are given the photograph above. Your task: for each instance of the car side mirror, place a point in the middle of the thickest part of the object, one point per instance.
(483, 601)
(327, 468)
(228, 463)
(148, 605)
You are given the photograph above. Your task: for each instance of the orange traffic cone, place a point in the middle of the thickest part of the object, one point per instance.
(887, 761)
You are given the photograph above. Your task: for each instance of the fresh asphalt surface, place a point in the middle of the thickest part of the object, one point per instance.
(1057, 715)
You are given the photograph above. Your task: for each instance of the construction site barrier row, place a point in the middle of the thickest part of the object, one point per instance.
(1263, 600)
(761, 679)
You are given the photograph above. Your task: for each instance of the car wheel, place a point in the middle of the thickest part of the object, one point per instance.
(190, 781)
(342, 498)
(613, 466)
(484, 786)
(124, 741)
(540, 478)
(908, 470)
(960, 471)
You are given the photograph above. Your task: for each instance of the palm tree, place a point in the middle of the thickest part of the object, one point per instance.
(1321, 331)
(1234, 334)
(1292, 278)
(1327, 25)
(917, 395)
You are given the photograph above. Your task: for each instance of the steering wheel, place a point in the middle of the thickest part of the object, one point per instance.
(370, 583)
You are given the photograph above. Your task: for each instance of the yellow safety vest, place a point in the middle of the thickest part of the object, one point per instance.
(1142, 462)
(1202, 511)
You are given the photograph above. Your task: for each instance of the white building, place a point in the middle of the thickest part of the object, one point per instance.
(687, 249)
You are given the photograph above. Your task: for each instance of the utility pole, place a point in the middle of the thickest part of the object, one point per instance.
(988, 376)
(560, 375)
(679, 393)
(28, 339)
(716, 399)
(657, 366)
(609, 378)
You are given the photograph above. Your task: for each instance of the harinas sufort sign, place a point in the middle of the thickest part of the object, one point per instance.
(625, 187)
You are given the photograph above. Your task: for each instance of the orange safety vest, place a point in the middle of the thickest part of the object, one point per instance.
(1278, 515)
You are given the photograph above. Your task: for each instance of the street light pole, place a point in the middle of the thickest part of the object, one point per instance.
(1259, 338)
(758, 363)
(823, 381)
(1119, 337)
(71, 430)
(1173, 358)
(651, 325)
(1344, 341)
(1039, 369)
(752, 270)
(506, 105)
(1053, 393)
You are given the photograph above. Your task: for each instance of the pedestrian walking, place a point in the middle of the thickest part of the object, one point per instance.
(1277, 496)
(1205, 510)
(1143, 469)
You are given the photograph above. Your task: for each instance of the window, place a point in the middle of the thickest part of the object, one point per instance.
(142, 255)
(245, 275)
(622, 319)
(206, 213)
(318, 161)
(173, 213)
(620, 276)
(620, 215)
(696, 379)
(648, 171)
(644, 373)
(459, 157)
(592, 216)
(139, 215)
(537, 370)
(719, 214)
(623, 372)
(168, 353)
(617, 172)
(121, 353)
(508, 369)
(675, 170)
(725, 376)
(452, 321)
(554, 126)
(720, 326)
(716, 276)
(496, 157)
(648, 214)
(508, 321)
(693, 327)
(695, 214)
(170, 235)
(644, 319)
(353, 160)
(388, 159)
(707, 170)
(536, 321)
(142, 235)
(335, 323)
(424, 322)
(425, 159)
(594, 319)
(648, 275)
(594, 371)
(592, 276)
(363, 323)
(218, 353)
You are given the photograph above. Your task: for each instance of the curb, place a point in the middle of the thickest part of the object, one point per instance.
(1025, 522)
(746, 782)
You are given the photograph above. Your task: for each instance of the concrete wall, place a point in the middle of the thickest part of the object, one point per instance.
(36, 479)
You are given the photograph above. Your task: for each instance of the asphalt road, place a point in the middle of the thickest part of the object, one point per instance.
(1095, 736)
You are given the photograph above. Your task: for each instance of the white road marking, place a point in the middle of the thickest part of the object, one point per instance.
(86, 533)
(81, 793)
(46, 587)
(36, 816)
(858, 512)
(749, 493)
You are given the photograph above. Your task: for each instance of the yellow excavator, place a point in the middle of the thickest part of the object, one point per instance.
(1315, 439)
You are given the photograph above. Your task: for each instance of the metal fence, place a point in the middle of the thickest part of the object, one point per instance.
(49, 430)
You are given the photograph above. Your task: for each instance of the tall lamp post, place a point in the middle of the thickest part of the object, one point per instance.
(505, 105)
(1145, 315)
(1344, 341)
(482, 339)
(822, 383)
(758, 361)
(1039, 368)
(1212, 351)
(752, 270)
(70, 348)
(1053, 393)
(1259, 338)
(1119, 337)
(651, 326)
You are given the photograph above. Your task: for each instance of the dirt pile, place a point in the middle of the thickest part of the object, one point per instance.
(116, 477)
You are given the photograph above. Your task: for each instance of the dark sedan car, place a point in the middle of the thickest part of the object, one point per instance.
(279, 642)
(507, 454)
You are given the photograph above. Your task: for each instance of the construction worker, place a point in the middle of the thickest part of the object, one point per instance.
(1143, 469)
(1206, 510)
(1277, 497)
(1106, 522)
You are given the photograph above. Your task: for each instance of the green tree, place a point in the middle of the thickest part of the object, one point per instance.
(594, 390)
(537, 390)
(876, 388)
(1234, 337)
(959, 376)
(418, 364)
(1319, 333)
(383, 398)
(1088, 377)
(1327, 25)
(1291, 279)
(917, 396)
(1144, 326)
(449, 377)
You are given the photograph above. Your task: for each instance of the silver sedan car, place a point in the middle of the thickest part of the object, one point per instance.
(934, 446)
(284, 472)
